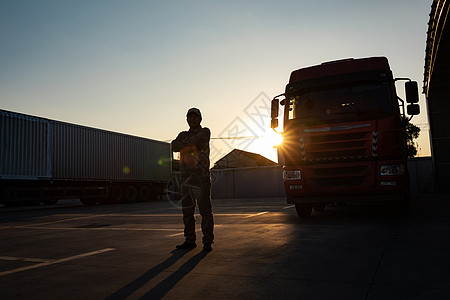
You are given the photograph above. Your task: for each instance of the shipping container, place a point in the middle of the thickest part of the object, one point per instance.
(46, 160)
(24, 147)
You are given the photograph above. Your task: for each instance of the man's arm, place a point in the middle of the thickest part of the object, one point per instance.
(200, 140)
(179, 142)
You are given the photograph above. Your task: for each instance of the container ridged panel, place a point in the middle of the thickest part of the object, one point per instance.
(23, 146)
(85, 153)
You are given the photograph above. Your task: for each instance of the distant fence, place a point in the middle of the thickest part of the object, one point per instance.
(421, 174)
(249, 182)
(255, 182)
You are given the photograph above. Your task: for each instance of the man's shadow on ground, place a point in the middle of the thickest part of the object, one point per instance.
(162, 288)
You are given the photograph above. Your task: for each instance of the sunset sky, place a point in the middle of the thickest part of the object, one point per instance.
(136, 67)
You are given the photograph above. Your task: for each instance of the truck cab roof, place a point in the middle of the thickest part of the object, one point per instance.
(344, 66)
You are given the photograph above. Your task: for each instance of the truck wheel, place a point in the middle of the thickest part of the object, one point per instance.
(144, 193)
(131, 194)
(12, 203)
(116, 194)
(32, 202)
(303, 209)
(88, 201)
(50, 202)
(174, 190)
(319, 207)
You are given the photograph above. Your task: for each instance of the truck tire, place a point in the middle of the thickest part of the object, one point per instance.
(131, 194)
(50, 201)
(116, 194)
(303, 209)
(88, 201)
(144, 193)
(12, 203)
(174, 190)
(32, 202)
(319, 207)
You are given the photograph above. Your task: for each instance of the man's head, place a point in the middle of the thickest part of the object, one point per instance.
(194, 117)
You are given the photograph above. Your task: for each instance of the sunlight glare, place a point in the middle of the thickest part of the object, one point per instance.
(267, 145)
(272, 139)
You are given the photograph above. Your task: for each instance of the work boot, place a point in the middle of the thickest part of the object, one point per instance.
(207, 247)
(187, 245)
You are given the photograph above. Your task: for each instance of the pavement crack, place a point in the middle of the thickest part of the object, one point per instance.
(379, 262)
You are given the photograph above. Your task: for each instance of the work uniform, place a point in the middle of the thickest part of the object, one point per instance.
(193, 146)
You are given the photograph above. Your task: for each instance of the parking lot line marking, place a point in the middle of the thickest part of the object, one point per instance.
(290, 206)
(179, 214)
(27, 259)
(70, 219)
(99, 228)
(180, 233)
(258, 214)
(55, 261)
(197, 230)
(215, 226)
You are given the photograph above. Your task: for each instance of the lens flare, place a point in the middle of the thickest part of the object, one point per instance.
(162, 161)
(273, 139)
(126, 170)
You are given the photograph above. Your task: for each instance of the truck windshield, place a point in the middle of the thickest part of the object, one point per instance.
(341, 104)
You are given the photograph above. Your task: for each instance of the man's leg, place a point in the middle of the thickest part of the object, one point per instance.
(188, 205)
(205, 207)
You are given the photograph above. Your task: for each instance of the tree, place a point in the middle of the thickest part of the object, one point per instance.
(412, 133)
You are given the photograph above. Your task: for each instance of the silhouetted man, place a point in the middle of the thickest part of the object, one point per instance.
(193, 146)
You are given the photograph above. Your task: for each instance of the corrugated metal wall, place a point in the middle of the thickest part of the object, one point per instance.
(251, 182)
(86, 153)
(421, 174)
(263, 182)
(24, 147)
(437, 90)
(33, 147)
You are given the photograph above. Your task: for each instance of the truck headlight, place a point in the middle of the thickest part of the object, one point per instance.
(392, 170)
(292, 175)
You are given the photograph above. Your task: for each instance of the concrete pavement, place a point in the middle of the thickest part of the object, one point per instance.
(262, 251)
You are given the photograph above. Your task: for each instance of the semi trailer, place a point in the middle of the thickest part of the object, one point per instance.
(343, 133)
(43, 160)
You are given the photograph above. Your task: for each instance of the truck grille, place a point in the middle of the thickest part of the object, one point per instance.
(339, 171)
(341, 182)
(334, 145)
(339, 176)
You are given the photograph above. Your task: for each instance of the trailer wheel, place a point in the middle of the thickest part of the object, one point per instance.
(319, 207)
(50, 202)
(174, 190)
(116, 194)
(12, 203)
(144, 193)
(88, 201)
(303, 209)
(131, 194)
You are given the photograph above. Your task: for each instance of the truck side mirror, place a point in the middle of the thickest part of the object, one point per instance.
(413, 109)
(274, 109)
(412, 93)
(274, 123)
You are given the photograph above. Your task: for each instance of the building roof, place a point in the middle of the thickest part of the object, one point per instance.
(240, 158)
(437, 47)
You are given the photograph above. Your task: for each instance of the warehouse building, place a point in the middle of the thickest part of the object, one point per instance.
(436, 88)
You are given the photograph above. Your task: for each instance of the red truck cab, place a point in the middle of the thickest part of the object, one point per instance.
(343, 135)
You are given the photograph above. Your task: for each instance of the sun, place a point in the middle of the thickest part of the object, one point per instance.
(272, 139)
(267, 144)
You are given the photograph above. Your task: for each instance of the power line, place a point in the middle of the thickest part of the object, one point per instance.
(232, 138)
(237, 137)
